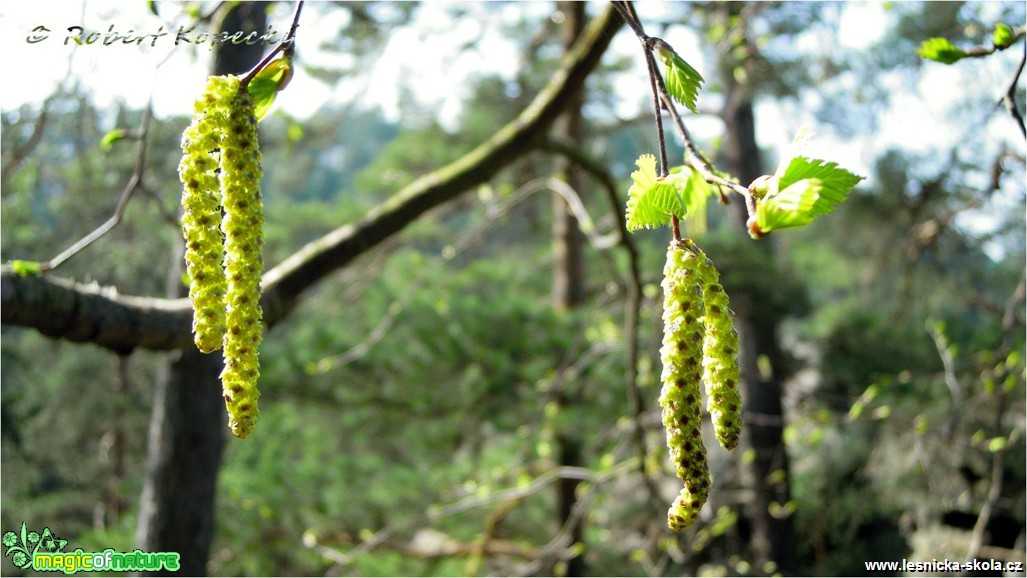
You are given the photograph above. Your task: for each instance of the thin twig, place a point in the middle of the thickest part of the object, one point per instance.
(633, 298)
(695, 159)
(650, 63)
(994, 493)
(1013, 306)
(559, 546)
(134, 183)
(1009, 98)
(22, 151)
(951, 380)
(627, 12)
(287, 47)
(343, 559)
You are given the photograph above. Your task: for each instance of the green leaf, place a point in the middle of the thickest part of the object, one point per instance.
(26, 268)
(267, 83)
(112, 136)
(652, 200)
(792, 207)
(996, 444)
(294, 132)
(694, 191)
(836, 181)
(683, 81)
(940, 50)
(1003, 36)
(801, 190)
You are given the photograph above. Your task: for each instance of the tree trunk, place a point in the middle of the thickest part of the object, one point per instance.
(773, 537)
(176, 513)
(569, 278)
(568, 267)
(187, 426)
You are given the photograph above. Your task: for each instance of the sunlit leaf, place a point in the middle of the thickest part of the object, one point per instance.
(1003, 37)
(683, 81)
(835, 181)
(26, 268)
(996, 444)
(643, 181)
(267, 83)
(940, 50)
(695, 192)
(192, 10)
(112, 136)
(801, 190)
(652, 200)
(792, 207)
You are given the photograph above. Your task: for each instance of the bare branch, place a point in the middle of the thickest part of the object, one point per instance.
(134, 182)
(951, 380)
(994, 493)
(1009, 98)
(22, 151)
(287, 47)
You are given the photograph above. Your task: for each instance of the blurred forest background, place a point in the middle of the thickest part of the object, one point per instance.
(459, 400)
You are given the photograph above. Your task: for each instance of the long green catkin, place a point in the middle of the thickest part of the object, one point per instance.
(243, 225)
(221, 170)
(201, 219)
(721, 375)
(680, 399)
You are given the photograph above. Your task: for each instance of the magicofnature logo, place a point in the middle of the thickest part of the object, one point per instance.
(44, 552)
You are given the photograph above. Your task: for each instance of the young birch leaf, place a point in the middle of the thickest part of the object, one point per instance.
(1003, 37)
(26, 268)
(694, 191)
(835, 181)
(267, 83)
(683, 81)
(639, 211)
(940, 50)
(802, 189)
(792, 207)
(654, 207)
(112, 136)
(652, 200)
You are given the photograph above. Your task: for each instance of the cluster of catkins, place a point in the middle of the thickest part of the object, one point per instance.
(223, 227)
(699, 345)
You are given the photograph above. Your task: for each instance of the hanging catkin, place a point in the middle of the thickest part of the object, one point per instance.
(720, 355)
(680, 399)
(221, 170)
